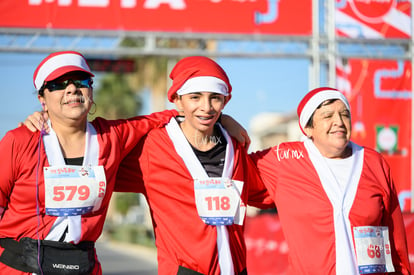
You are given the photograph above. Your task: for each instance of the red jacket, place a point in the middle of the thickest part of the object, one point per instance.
(20, 157)
(306, 213)
(182, 238)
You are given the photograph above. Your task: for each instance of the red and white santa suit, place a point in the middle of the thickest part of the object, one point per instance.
(306, 212)
(198, 220)
(23, 159)
(182, 238)
(320, 206)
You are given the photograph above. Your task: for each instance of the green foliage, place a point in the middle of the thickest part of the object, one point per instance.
(115, 98)
(124, 201)
(132, 233)
(151, 73)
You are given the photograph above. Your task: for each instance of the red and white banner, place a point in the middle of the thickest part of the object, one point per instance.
(267, 249)
(375, 19)
(282, 17)
(380, 94)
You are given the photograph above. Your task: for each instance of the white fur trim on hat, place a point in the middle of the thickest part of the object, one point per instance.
(70, 60)
(316, 100)
(204, 84)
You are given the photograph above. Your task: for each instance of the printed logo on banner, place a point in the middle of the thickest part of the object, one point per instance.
(270, 16)
(380, 77)
(372, 12)
(253, 16)
(373, 18)
(149, 4)
(387, 139)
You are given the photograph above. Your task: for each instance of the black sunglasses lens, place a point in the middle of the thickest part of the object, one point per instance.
(55, 86)
(85, 83)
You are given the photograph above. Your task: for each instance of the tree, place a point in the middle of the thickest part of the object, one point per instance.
(115, 98)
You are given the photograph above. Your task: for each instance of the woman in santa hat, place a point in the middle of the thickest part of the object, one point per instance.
(55, 187)
(336, 200)
(196, 178)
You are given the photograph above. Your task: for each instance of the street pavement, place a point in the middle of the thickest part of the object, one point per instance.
(126, 259)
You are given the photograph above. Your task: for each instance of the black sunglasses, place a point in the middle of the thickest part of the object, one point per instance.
(61, 85)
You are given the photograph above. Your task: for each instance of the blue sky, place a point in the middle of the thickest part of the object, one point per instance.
(259, 85)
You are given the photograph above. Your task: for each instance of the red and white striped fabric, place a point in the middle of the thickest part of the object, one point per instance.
(342, 78)
(373, 19)
(58, 64)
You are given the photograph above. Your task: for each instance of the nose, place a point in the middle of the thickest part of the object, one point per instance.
(71, 88)
(338, 119)
(206, 103)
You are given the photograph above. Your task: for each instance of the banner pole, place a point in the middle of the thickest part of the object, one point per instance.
(315, 67)
(332, 54)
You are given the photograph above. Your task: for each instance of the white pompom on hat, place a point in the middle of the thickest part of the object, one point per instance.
(313, 99)
(57, 64)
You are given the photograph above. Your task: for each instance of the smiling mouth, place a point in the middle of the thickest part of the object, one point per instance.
(78, 99)
(205, 118)
(339, 133)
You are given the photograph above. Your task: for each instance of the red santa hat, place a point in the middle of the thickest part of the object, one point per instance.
(313, 99)
(58, 64)
(198, 74)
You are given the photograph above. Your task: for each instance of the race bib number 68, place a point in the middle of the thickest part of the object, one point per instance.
(373, 249)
